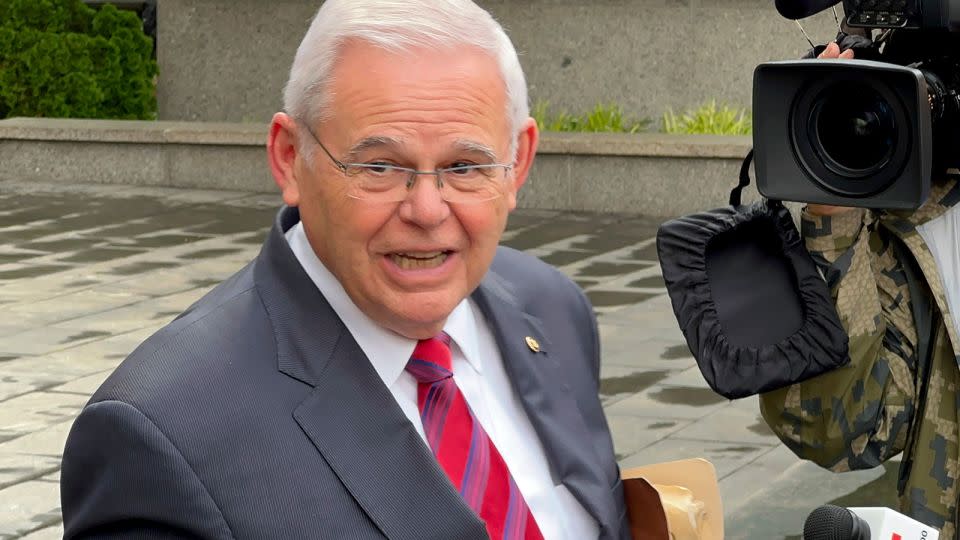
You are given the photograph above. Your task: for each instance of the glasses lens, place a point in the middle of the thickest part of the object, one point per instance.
(377, 182)
(472, 184)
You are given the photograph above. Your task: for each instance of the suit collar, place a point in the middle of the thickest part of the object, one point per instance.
(357, 426)
(546, 397)
(350, 416)
(291, 300)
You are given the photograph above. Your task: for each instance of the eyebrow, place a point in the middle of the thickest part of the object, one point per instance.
(379, 141)
(466, 145)
(369, 143)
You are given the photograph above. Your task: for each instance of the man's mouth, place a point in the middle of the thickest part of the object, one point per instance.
(419, 261)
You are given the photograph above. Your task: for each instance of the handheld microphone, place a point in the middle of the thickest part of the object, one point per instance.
(801, 9)
(830, 522)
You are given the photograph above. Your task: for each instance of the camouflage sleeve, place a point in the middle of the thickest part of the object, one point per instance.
(856, 416)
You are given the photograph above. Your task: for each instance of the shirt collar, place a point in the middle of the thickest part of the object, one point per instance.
(387, 351)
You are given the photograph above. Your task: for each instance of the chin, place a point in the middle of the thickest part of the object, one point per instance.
(426, 314)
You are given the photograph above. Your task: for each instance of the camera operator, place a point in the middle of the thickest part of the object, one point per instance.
(895, 279)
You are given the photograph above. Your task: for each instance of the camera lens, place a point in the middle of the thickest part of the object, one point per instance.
(853, 129)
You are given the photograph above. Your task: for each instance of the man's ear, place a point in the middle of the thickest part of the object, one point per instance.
(528, 137)
(282, 151)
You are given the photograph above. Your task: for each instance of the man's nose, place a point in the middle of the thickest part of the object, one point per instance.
(424, 204)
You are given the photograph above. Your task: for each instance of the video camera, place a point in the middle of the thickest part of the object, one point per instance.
(866, 132)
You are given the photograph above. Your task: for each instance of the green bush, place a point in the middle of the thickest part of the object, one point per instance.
(709, 119)
(603, 118)
(60, 58)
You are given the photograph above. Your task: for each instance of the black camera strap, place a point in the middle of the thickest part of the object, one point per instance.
(736, 194)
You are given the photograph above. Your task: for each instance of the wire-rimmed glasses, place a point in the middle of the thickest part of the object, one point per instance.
(384, 182)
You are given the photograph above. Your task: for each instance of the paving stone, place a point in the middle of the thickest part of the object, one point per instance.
(19, 468)
(63, 366)
(779, 508)
(629, 381)
(178, 301)
(84, 385)
(156, 283)
(54, 532)
(29, 506)
(191, 196)
(647, 353)
(46, 442)
(14, 383)
(109, 323)
(669, 402)
(690, 377)
(738, 488)
(46, 339)
(10, 329)
(35, 411)
(214, 269)
(726, 457)
(631, 433)
(22, 271)
(77, 304)
(730, 424)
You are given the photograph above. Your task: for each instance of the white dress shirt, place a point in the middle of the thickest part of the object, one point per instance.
(479, 373)
(942, 236)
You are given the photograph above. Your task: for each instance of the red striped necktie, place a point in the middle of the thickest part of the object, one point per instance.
(464, 450)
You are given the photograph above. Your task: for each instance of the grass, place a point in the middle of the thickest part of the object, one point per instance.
(604, 118)
(709, 119)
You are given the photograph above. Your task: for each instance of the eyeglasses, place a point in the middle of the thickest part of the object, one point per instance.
(382, 182)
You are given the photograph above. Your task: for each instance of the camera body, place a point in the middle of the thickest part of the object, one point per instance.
(866, 133)
(905, 14)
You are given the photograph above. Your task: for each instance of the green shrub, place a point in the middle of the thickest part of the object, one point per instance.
(709, 119)
(60, 58)
(603, 118)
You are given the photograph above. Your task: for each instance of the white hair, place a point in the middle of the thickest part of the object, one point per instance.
(398, 26)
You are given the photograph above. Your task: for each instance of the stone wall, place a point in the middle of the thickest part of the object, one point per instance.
(227, 60)
(648, 174)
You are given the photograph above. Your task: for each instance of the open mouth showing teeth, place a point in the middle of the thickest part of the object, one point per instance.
(416, 261)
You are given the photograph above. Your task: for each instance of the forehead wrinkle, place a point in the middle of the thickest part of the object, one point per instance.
(421, 103)
(427, 109)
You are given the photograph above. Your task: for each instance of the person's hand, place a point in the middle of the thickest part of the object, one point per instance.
(832, 51)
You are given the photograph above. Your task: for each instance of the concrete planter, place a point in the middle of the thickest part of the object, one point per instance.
(650, 174)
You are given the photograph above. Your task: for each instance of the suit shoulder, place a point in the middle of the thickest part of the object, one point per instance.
(519, 267)
(225, 325)
(531, 280)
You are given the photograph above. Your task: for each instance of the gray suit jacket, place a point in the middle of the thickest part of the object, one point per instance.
(255, 414)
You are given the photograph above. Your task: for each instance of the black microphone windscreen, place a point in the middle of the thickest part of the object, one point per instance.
(830, 522)
(801, 9)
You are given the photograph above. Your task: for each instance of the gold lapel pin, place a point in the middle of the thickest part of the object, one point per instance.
(533, 344)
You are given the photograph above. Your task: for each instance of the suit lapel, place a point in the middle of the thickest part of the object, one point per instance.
(350, 416)
(363, 435)
(541, 387)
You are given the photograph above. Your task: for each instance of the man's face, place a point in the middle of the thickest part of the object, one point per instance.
(408, 264)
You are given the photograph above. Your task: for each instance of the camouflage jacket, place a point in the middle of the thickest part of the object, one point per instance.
(888, 399)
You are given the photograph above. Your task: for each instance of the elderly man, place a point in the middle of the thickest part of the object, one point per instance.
(382, 369)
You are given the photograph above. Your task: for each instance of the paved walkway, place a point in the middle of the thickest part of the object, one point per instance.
(88, 272)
